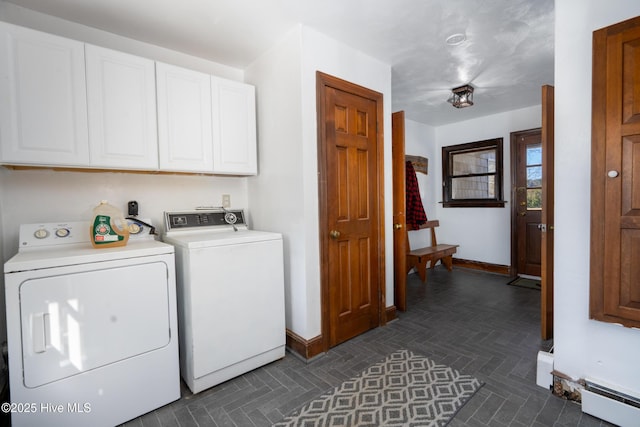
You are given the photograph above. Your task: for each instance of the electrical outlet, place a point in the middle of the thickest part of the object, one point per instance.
(132, 208)
(226, 200)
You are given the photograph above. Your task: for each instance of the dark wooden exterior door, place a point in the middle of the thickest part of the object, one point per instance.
(615, 175)
(546, 290)
(400, 244)
(351, 207)
(526, 151)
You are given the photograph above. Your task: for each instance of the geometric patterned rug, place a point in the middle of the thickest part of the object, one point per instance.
(403, 390)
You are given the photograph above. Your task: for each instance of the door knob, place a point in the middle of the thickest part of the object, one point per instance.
(334, 234)
(612, 174)
(397, 226)
(522, 213)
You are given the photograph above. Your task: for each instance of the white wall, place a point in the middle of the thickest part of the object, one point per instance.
(484, 234)
(286, 81)
(419, 140)
(583, 347)
(30, 196)
(276, 194)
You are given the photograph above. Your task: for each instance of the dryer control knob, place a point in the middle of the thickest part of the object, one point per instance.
(41, 233)
(62, 232)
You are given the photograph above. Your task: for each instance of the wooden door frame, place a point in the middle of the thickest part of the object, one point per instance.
(548, 210)
(400, 236)
(514, 206)
(324, 81)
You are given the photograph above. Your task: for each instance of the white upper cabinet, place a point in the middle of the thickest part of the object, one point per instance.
(43, 104)
(67, 103)
(121, 99)
(234, 127)
(184, 119)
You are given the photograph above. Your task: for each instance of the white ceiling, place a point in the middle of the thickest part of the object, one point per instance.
(507, 57)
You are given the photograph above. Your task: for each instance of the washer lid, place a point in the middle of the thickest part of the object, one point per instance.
(203, 239)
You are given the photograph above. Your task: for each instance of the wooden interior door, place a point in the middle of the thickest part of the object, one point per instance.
(615, 175)
(526, 151)
(400, 243)
(351, 199)
(546, 290)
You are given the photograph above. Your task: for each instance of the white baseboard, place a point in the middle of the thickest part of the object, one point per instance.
(544, 377)
(610, 410)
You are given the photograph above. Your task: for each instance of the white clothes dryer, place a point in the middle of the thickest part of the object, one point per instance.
(230, 284)
(92, 333)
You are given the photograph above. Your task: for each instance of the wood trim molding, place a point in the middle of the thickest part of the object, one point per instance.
(305, 348)
(391, 313)
(308, 349)
(598, 171)
(103, 170)
(484, 266)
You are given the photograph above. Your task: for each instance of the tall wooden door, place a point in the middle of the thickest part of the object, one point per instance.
(526, 151)
(351, 208)
(615, 175)
(400, 243)
(547, 227)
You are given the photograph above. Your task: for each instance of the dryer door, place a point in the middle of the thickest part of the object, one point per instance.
(72, 322)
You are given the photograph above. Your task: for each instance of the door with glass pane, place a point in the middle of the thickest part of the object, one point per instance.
(527, 176)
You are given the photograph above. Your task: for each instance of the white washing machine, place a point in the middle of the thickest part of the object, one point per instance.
(230, 284)
(92, 333)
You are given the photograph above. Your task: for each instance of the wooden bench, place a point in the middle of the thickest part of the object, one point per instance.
(418, 258)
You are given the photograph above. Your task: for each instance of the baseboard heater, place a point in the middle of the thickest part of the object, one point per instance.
(610, 405)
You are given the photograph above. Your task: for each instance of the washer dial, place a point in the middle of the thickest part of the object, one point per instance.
(230, 218)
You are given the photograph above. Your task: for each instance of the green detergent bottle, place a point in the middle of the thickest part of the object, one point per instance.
(108, 228)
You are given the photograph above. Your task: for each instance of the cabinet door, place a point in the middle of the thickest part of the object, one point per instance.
(234, 127)
(615, 176)
(121, 98)
(43, 112)
(184, 119)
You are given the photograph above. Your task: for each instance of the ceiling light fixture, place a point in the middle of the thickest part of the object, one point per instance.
(461, 96)
(456, 39)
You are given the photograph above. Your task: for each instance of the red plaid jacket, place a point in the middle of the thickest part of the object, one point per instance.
(415, 210)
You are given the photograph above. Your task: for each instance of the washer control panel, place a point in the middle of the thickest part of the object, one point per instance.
(217, 219)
